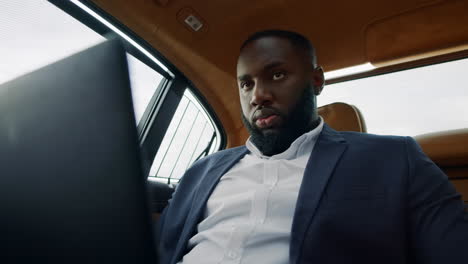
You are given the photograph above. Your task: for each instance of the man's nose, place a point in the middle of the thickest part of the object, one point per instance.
(261, 95)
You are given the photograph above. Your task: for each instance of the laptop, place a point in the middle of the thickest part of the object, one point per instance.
(71, 184)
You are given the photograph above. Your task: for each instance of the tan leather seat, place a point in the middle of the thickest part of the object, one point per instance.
(343, 117)
(449, 150)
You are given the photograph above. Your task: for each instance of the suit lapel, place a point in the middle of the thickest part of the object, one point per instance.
(205, 188)
(327, 152)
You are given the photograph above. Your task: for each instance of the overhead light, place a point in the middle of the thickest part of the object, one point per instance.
(122, 34)
(349, 71)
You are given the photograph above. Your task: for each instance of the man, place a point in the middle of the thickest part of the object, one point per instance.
(300, 192)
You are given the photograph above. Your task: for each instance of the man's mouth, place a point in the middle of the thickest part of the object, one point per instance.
(266, 122)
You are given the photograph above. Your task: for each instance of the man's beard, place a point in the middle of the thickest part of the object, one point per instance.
(299, 121)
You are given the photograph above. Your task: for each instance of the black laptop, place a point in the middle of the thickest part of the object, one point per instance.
(71, 186)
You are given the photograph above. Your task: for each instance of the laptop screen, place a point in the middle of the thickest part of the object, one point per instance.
(71, 186)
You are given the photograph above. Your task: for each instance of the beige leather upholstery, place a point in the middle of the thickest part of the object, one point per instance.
(446, 148)
(343, 117)
(449, 150)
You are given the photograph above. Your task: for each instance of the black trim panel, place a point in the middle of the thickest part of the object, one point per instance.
(155, 133)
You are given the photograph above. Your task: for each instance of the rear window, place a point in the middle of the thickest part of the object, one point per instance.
(411, 102)
(191, 136)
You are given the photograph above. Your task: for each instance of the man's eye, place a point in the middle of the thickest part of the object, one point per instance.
(246, 85)
(278, 76)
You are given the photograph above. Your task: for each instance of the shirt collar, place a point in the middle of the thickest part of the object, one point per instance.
(301, 146)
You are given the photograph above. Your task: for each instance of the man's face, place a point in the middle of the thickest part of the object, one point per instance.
(277, 88)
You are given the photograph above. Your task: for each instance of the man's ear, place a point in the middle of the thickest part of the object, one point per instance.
(318, 80)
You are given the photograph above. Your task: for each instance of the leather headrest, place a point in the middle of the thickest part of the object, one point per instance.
(446, 148)
(342, 117)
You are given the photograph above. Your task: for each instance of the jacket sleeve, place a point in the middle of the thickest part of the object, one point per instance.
(163, 256)
(172, 219)
(438, 220)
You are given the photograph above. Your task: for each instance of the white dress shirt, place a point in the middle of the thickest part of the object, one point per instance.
(248, 217)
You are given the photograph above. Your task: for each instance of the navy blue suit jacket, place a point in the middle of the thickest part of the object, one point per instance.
(363, 199)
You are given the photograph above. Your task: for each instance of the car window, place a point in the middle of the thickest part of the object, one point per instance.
(191, 135)
(30, 41)
(409, 102)
(144, 82)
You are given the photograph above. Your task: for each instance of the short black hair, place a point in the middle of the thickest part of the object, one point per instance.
(295, 38)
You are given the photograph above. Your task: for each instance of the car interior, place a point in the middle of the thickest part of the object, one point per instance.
(391, 35)
(193, 46)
